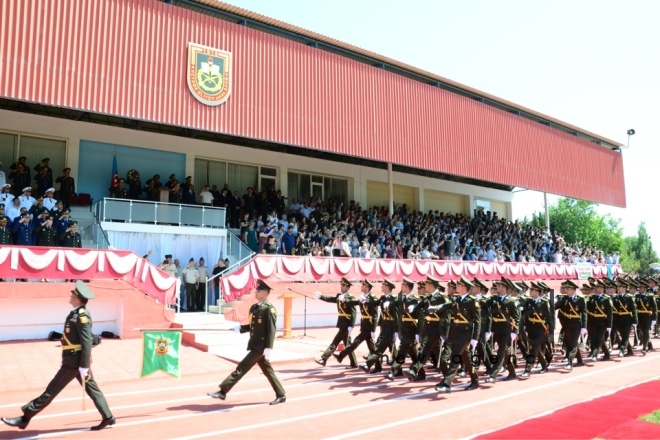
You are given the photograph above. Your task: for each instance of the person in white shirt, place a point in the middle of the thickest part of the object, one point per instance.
(3, 178)
(191, 279)
(305, 210)
(294, 207)
(345, 247)
(13, 210)
(615, 258)
(6, 196)
(206, 197)
(49, 200)
(26, 198)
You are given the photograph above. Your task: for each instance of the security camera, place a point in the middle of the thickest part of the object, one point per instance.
(631, 132)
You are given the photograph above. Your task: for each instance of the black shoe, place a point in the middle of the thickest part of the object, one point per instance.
(442, 388)
(376, 371)
(510, 377)
(218, 395)
(580, 364)
(321, 362)
(472, 386)
(606, 357)
(399, 373)
(630, 353)
(549, 358)
(279, 400)
(351, 367)
(336, 356)
(411, 376)
(389, 376)
(543, 370)
(105, 422)
(19, 422)
(365, 368)
(420, 378)
(490, 380)
(525, 374)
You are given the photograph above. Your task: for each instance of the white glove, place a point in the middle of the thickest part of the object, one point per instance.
(350, 329)
(237, 328)
(386, 304)
(396, 338)
(317, 294)
(583, 331)
(487, 335)
(416, 338)
(411, 308)
(635, 326)
(652, 324)
(83, 372)
(267, 353)
(442, 342)
(341, 297)
(431, 310)
(362, 298)
(373, 335)
(473, 343)
(609, 331)
(514, 337)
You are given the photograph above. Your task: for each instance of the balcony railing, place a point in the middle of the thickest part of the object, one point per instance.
(158, 213)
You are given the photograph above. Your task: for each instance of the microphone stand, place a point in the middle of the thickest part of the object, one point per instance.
(304, 335)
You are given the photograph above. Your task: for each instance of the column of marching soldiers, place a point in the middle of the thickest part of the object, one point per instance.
(458, 329)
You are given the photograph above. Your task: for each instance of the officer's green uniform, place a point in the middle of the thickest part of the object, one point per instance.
(345, 320)
(647, 311)
(388, 323)
(76, 353)
(262, 320)
(5, 232)
(536, 318)
(368, 319)
(506, 318)
(574, 310)
(625, 315)
(599, 319)
(407, 326)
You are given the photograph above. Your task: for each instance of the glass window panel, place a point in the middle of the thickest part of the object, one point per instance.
(201, 174)
(242, 176)
(7, 150)
(317, 179)
(217, 174)
(293, 191)
(305, 187)
(35, 149)
(268, 171)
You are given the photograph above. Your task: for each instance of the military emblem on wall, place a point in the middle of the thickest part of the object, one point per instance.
(162, 346)
(209, 74)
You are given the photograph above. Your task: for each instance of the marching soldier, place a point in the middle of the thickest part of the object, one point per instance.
(261, 326)
(76, 364)
(407, 327)
(599, 320)
(506, 318)
(484, 349)
(522, 296)
(465, 329)
(625, 316)
(647, 311)
(388, 329)
(345, 321)
(432, 328)
(574, 310)
(368, 317)
(536, 318)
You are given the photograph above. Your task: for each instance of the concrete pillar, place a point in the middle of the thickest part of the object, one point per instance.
(390, 187)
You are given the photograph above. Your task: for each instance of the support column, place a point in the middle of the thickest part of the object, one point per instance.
(390, 187)
(284, 183)
(547, 216)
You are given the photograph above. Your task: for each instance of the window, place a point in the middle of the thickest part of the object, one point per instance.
(307, 186)
(480, 204)
(237, 176)
(13, 146)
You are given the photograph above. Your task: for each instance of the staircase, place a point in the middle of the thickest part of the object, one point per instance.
(85, 218)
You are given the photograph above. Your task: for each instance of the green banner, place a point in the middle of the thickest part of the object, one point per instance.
(161, 352)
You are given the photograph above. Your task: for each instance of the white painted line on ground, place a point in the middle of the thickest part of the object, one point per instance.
(551, 411)
(486, 401)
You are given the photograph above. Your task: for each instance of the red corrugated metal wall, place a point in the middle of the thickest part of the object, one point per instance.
(128, 58)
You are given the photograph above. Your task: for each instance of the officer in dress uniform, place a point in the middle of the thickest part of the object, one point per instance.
(647, 311)
(368, 317)
(67, 186)
(47, 233)
(431, 340)
(536, 317)
(506, 319)
(26, 198)
(465, 328)
(261, 326)
(388, 328)
(484, 347)
(345, 321)
(6, 236)
(625, 316)
(573, 308)
(76, 363)
(120, 191)
(407, 327)
(70, 237)
(22, 229)
(6, 196)
(49, 200)
(599, 320)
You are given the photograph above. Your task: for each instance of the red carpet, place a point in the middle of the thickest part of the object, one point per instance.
(609, 417)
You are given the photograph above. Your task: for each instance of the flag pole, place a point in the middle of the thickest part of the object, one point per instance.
(183, 329)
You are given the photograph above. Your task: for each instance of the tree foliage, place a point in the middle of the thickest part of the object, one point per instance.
(640, 251)
(579, 223)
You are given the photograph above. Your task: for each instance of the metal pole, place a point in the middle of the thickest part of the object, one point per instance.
(547, 216)
(390, 187)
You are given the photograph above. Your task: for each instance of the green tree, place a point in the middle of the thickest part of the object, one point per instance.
(640, 252)
(579, 223)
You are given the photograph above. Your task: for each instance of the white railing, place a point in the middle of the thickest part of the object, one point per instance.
(143, 211)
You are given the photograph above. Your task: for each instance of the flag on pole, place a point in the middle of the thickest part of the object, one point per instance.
(115, 173)
(161, 352)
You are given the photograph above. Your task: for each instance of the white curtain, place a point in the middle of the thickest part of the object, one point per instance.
(35, 149)
(183, 247)
(241, 177)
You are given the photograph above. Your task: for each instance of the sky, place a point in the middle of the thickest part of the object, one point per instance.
(592, 64)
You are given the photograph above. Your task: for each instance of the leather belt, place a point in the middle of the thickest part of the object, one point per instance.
(74, 347)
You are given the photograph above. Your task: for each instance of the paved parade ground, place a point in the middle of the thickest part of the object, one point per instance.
(329, 402)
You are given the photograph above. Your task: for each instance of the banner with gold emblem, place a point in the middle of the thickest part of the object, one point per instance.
(209, 74)
(161, 352)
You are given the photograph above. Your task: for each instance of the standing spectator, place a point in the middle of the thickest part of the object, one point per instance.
(249, 202)
(191, 278)
(13, 210)
(151, 191)
(189, 197)
(26, 199)
(201, 289)
(176, 195)
(49, 200)
(44, 180)
(206, 196)
(134, 185)
(3, 177)
(235, 205)
(170, 183)
(157, 184)
(21, 177)
(288, 242)
(70, 237)
(218, 269)
(44, 164)
(294, 207)
(615, 258)
(271, 246)
(345, 248)
(22, 229)
(251, 238)
(6, 196)
(119, 191)
(67, 186)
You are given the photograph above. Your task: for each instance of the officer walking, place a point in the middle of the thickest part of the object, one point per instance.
(345, 322)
